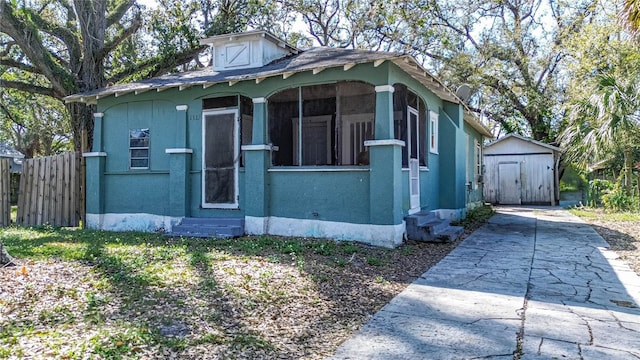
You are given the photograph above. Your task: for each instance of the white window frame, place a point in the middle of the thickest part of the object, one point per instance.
(132, 148)
(477, 160)
(469, 163)
(433, 132)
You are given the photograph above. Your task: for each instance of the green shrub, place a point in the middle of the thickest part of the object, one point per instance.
(597, 188)
(617, 199)
(475, 217)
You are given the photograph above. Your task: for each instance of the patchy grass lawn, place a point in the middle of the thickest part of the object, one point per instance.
(620, 229)
(596, 213)
(92, 294)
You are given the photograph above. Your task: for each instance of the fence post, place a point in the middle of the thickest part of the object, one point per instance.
(5, 193)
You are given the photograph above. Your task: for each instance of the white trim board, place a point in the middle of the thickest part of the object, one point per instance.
(389, 236)
(94, 154)
(131, 222)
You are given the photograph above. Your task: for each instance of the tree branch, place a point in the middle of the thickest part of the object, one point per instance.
(18, 65)
(158, 66)
(60, 32)
(122, 36)
(26, 35)
(30, 88)
(119, 12)
(506, 91)
(9, 114)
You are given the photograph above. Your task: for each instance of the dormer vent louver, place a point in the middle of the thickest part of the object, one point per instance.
(246, 50)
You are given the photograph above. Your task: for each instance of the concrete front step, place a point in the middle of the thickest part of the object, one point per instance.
(450, 233)
(212, 221)
(421, 219)
(209, 228)
(426, 226)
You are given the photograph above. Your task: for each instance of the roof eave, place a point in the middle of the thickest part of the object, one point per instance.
(92, 98)
(475, 123)
(409, 65)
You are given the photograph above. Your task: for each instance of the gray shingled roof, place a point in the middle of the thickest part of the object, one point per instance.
(309, 60)
(315, 59)
(7, 151)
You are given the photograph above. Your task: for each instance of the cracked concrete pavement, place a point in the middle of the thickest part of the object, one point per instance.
(533, 283)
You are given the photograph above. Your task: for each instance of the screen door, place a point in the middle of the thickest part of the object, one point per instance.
(220, 159)
(414, 164)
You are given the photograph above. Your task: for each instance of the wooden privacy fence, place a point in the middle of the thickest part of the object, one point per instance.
(50, 191)
(5, 193)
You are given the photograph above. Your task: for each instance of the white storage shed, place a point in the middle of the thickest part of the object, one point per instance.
(520, 170)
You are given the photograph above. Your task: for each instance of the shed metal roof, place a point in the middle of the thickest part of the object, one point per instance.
(523, 138)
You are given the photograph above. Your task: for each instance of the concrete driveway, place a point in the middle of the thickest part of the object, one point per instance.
(534, 283)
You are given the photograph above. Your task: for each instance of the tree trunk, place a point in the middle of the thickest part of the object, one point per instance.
(638, 188)
(628, 172)
(81, 121)
(5, 258)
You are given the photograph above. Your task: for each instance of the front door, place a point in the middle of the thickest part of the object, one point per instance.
(509, 183)
(414, 165)
(220, 160)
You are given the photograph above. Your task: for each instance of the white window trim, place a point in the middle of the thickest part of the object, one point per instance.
(433, 132)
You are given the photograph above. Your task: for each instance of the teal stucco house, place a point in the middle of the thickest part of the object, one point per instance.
(334, 143)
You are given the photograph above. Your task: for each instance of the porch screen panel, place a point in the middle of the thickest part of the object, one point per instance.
(322, 124)
(246, 124)
(413, 143)
(318, 124)
(400, 104)
(422, 112)
(356, 114)
(219, 159)
(283, 110)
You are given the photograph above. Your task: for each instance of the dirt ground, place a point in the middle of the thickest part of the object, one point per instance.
(623, 238)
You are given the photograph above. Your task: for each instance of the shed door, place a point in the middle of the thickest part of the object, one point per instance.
(220, 159)
(510, 185)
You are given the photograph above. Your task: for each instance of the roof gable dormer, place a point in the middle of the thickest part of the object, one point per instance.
(246, 50)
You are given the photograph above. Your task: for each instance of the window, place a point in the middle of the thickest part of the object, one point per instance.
(478, 160)
(139, 148)
(468, 155)
(433, 132)
(322, 124)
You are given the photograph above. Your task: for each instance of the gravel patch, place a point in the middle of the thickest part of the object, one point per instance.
(623, 238)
